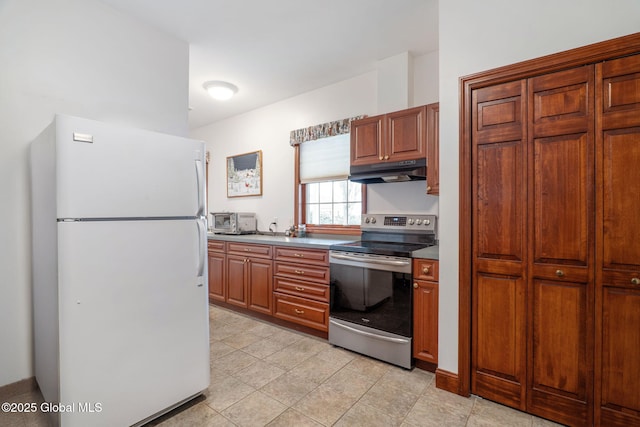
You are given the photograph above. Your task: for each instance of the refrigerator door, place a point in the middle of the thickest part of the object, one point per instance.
(133, 316)
(104, 171)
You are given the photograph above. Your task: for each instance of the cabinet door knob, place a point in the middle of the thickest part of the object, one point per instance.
(426, 269)
(559, 273)
(428, 188)
(386, 157)
(415, 285)
(380, 158)
(635, 281)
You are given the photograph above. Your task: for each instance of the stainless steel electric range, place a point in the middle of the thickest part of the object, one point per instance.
(371, 307)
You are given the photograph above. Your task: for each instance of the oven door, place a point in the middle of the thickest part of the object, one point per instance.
(372, 290)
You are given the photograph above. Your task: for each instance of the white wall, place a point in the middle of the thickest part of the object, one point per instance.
(82, 58)
(268, 128)
(476, 36)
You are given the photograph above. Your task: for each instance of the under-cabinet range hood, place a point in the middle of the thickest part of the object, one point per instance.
(406, 170)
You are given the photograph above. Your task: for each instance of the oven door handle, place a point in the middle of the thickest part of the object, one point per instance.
(369, 334)
(371, 260)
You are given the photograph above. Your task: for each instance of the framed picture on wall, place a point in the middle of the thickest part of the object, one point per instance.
(244, 174)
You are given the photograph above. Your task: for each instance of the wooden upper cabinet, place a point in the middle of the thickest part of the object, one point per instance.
(433, 149)
(366, 140)
(392, 137)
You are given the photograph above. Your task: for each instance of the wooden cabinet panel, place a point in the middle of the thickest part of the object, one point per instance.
(303, 311)
(366, 140)
(299, 255)
(301, 288)
(500, 217)
(621, 199)
(559, 383)
(407, 134)
(425, 269)
(620, 399)
(433, 149)
(216, 246)
(499, 337)
(236, 281)
(425, 321)
(303, 272)
(217, 276)
(260, 284)
(253, 250)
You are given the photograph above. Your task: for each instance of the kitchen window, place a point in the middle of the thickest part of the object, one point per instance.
(326, 201)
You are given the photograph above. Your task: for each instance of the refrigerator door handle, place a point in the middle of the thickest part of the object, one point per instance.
(200, 189)
(202, 247)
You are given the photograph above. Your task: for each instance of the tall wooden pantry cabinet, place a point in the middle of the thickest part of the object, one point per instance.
(553, 157)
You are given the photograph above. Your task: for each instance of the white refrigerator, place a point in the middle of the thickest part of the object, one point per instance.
(119, 274)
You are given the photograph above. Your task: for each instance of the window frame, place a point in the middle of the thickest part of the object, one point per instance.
(300, 206)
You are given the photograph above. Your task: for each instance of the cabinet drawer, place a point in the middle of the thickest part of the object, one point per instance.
(302, 272)
(302, 289)
(298, 255)
(262, 251)
(215, 246)
(302, 311)
(425, 269)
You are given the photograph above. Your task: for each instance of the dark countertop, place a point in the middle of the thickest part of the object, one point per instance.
(322, 242)
(300, 242)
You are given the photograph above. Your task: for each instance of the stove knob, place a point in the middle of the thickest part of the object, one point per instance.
(366, 220)
(427, 222)
(410, 221)
(418, 221)
(373, 220)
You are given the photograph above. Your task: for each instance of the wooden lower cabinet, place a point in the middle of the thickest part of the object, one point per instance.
(301, 291)
(216, 268)
(425, 310)
(249, 277)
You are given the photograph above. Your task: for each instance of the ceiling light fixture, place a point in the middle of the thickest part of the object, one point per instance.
(220, 90)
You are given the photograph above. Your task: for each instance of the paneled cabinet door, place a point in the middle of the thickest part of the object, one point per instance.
(561, 245)
(216, 276)
(260, 284)
(407, 135)
(367, 139)
(499, 309)
(618, 271)
(236, 281)
(425, 321)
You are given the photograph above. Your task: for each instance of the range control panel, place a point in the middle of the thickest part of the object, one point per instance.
(396, 222)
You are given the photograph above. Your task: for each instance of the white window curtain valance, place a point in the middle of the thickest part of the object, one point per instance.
(324, 130)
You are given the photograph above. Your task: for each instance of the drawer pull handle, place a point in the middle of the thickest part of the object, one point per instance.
(635, 281)
(559, 273)
(415, 285)
(298, 255)
(426, 269)
(247, 250)
(299, 271)
(298, 311)
(298, 288)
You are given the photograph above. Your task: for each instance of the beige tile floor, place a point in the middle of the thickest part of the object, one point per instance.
(265, 375)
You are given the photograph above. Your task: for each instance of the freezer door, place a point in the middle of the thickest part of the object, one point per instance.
(134, 331)
(105, 171)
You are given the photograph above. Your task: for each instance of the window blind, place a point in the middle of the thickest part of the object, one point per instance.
(325, 159)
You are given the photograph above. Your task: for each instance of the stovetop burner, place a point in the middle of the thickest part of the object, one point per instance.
(393, 235)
